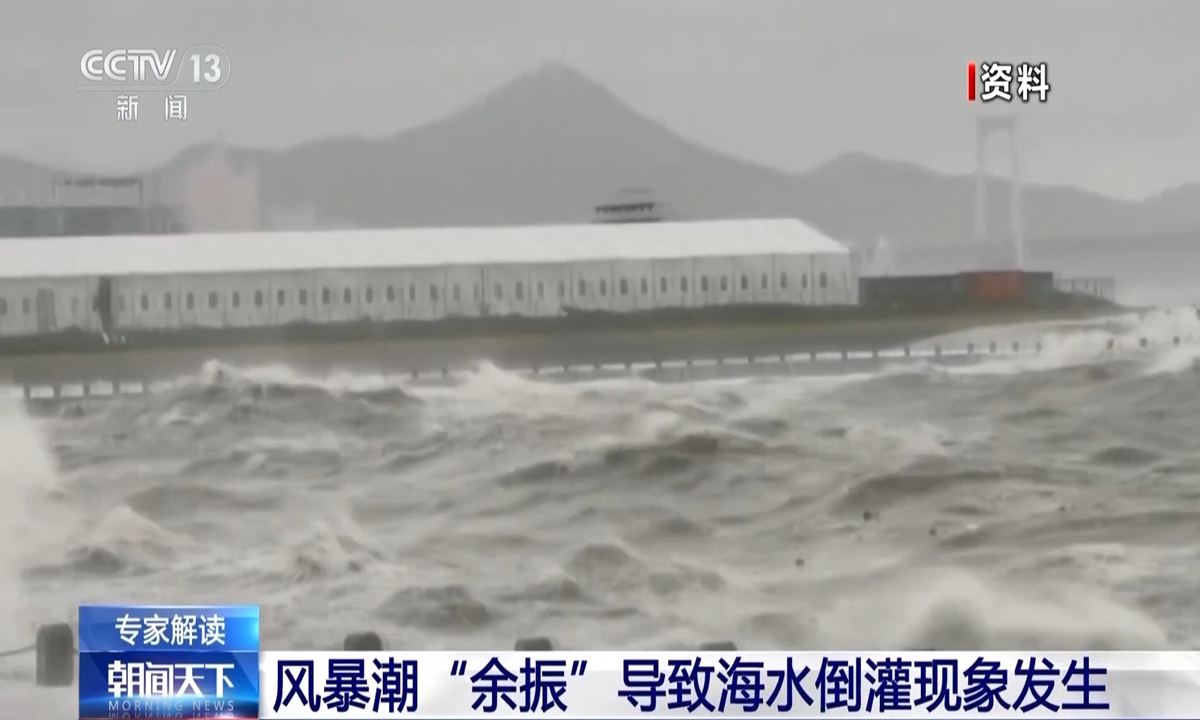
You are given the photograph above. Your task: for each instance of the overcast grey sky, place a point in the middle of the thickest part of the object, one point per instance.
(788, 83)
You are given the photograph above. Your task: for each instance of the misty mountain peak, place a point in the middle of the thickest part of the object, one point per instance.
(551, 87)
(553, 71)
(858, 163)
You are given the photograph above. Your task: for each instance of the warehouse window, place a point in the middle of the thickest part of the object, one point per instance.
(604, 287)
(498, 291)
(433, 293)
(166, 301)
(212, 299)
(624, 286)
(824, 281)
(645, 286)
(562, 289)
(724, 284)
(258, 298)
(683, 284)
(25, 305)
(120, 304)
(783, 280)
(765, 281)
(347, 297)
(520, 291)
(145, 302)
(745, 283)
(475, 291)
(191, 301)
(3, 306)
(325, 296)
(370, 294)
(456, 292)
(582, 288)
(804, 280)
(74, 304)
(703, 283)
(280, 298)
(237, 300)
(302, 296)
(391, 294)
(541, 290)
(662, 285)
(412, 293)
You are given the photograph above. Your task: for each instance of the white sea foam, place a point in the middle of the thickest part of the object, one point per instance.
(862, 509)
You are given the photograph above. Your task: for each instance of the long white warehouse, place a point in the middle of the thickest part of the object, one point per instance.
(162, 282)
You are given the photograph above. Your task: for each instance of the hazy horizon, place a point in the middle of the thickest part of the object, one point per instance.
(783, 84)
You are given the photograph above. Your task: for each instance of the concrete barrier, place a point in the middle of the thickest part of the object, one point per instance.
(533, 644)
(54, 655)
(67, 391)
(368, 641)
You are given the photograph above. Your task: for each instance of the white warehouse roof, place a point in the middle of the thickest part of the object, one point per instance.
(419, 247)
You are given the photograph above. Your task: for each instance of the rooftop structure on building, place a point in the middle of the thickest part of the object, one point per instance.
(630, 206)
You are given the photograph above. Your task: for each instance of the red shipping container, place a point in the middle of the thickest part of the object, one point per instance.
(993, 286)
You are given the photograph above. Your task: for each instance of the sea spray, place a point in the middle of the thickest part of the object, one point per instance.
(27, 473)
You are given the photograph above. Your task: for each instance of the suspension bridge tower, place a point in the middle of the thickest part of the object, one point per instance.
(991, 254)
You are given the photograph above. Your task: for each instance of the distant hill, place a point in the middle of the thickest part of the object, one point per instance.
(550, 144)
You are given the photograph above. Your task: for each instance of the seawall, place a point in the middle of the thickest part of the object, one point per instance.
(571, 346)
(736, 366)
(809, 363)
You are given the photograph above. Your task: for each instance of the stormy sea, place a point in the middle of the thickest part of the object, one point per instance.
(1031, 502)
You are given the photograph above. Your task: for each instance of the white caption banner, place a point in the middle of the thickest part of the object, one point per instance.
(447, 684)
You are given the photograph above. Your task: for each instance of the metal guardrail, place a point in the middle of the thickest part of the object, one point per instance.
(66, 391)
(17, 651)
(54, 653)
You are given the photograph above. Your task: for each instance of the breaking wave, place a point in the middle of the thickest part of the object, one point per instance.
(1012, 502)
